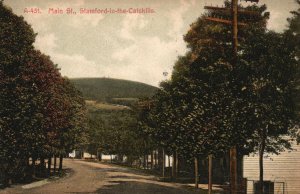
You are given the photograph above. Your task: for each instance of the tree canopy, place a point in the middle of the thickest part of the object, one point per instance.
(211, 104)
(41, 112)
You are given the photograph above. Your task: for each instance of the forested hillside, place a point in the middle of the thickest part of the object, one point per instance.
(112, 90)
(113, 117)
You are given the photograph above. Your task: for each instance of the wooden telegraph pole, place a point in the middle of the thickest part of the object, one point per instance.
(234, 22)
(234, 12)
(233, 163)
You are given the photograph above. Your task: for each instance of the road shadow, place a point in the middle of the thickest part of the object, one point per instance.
(135, 187)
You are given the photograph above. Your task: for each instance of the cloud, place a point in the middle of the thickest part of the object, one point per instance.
(146, 59)
(78, 20)
(38, 21)
(131, 23)
(74, 65)
(86, 20)
(274, 23)
(46, 43)
(128, 46)
(176, 16)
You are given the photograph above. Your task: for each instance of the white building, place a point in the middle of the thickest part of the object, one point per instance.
(282, 169)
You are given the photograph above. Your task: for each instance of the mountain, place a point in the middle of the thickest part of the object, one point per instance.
(113, 90)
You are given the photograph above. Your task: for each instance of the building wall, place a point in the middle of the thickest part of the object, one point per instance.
(284, 167)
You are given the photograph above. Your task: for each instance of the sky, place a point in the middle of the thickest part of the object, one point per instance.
(131, 46)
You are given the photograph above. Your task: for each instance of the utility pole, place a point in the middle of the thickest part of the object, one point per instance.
(233, 163)
(234, 13)
(234, 22)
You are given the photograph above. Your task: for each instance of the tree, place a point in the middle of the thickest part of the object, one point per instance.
(248, 104)
(115, 132)
(292, 36)
(37, 104)
(39, 78)
(259, 86)
(72, 115)
(16, 41)
(269, 90)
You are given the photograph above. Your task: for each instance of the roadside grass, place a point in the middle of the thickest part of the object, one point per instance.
(38, 180)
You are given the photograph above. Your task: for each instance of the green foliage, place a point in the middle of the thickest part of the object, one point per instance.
(211, 104)
(13, 30)
(41, 113)
(112, 113)
(71, 133)
(292, 35)
(114, 132)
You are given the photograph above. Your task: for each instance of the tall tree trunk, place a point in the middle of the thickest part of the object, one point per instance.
(42, 164)
(210, 174)
(49, 165)
(144, 161)
(151, 160)
(163, 162)
(196, 172)
(33, 167)
(7, 179)
(54, 165)
(176, 168)
(233, 171)
(169, 165)
(261, 161)
(155, 158)
(60, 162)
(27, 172)
(100, 156)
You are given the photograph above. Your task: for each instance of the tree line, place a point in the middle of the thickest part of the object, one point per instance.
(42, 115)
(210, 105)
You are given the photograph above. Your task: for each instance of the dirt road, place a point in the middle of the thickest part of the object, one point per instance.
(88, 177)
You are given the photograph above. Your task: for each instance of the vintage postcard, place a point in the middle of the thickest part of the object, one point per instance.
(149, 96)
